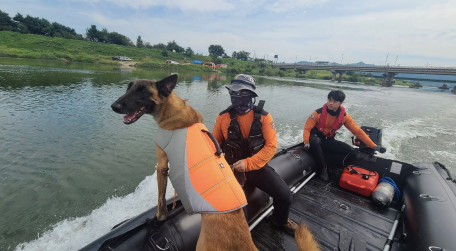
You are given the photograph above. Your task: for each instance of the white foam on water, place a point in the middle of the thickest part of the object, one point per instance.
(75, 233)
(289, 135)
(450, 157)
(399, 133)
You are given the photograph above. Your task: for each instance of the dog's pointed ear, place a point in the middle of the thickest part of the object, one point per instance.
(166, 85)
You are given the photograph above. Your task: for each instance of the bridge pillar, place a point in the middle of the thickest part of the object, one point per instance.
(334, 73)
(341, 73)
(303, 71)
(388, 79)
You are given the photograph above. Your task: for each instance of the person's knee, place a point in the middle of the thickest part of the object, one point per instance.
(314, 140)
(285, 197)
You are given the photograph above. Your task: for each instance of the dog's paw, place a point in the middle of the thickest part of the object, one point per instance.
(160, 216)
(158, 222)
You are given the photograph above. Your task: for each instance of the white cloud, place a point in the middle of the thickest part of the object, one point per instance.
(282, 6)
(183, 5)
(418, 31)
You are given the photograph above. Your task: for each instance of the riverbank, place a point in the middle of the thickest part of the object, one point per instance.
(30, 46)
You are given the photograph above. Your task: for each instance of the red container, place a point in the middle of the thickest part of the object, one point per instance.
(359, 180)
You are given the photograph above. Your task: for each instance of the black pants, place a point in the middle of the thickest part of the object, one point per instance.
(267, 180)
(317, 145)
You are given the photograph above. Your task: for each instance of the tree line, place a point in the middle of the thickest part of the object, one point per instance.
(35, 25)
(41, 26)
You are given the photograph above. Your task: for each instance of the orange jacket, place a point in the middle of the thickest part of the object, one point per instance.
(260, 159)
(204, 181)
(314, 119)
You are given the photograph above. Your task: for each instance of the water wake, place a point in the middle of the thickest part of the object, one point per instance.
(75, 233)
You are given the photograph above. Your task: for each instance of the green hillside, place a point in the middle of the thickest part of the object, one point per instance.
(50, 48)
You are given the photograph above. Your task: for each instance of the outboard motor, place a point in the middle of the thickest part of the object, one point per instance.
(374, 134)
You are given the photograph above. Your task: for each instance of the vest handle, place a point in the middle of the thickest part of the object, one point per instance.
(258, 110)
(218, 151)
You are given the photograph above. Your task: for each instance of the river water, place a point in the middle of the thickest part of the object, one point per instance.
(70, 169)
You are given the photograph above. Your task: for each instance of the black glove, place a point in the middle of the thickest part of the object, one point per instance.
(380, 149)
(307, 146)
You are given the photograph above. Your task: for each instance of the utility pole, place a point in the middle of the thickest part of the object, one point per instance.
(396, 60)
(342, 59)
(296, 60)
(386, 58)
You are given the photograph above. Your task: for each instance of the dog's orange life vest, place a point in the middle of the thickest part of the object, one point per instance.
(203, 180)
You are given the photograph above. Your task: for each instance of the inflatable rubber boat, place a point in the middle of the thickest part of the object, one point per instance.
(422, 215)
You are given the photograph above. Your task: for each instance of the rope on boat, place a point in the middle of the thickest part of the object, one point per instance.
(397, 192)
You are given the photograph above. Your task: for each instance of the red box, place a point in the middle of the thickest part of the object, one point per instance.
(359, 180)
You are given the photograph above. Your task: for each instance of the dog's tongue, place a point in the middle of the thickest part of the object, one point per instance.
(132, 117)
(129, 117)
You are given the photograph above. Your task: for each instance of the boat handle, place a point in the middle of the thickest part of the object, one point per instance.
(427, 197)
(421, 172)
(166, 246)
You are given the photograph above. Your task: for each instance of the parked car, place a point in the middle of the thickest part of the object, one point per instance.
(171, 62)
(121, 58)
(209, 64)
(221, 66)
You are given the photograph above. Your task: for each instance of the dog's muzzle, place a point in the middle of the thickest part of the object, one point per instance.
(116, 107)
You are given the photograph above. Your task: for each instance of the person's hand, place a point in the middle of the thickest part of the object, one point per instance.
(239, 166)
(307, 146)
(380, 149)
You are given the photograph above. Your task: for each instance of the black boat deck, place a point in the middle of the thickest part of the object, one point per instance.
(335, 216)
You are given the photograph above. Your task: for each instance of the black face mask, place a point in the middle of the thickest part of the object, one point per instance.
(243, 103)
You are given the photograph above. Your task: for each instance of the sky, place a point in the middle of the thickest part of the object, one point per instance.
(406, 33)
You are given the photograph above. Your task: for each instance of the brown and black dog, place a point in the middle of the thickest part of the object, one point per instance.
(226, 231)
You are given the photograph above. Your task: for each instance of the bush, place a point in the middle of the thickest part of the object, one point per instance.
(269, 72)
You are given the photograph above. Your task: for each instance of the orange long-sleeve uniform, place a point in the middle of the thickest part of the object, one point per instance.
(314, 119)
(262, 157)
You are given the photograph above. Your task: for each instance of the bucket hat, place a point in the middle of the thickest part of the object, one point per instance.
(242, 82)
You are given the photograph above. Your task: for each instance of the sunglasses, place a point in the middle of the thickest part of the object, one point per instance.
(238, 93)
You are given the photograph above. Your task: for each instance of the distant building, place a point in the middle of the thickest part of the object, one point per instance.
(322, 62)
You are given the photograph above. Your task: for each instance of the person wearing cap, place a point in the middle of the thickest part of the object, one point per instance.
(247, 135)
(321, 127)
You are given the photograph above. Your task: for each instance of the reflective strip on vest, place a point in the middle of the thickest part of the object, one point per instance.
(203, 181)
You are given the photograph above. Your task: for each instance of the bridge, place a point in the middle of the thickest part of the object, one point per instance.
(388, 71)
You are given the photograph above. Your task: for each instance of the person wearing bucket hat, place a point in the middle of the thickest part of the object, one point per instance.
(242, 93)
(247, 135)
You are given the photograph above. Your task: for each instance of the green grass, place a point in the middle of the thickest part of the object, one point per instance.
(49, 48)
